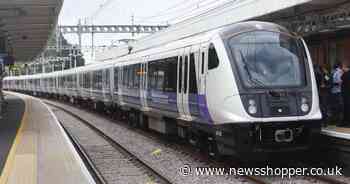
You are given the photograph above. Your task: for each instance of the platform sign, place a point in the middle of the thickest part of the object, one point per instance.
(6, 60)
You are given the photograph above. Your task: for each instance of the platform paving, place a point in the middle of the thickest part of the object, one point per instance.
(337, 132)
(9, 123)
(41, 152)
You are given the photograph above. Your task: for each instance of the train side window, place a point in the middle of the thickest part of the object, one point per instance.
(85, 80)
(100, 81)
(186, 74)
(213, 60)
(203, 59)
(88, 81)
(180, 74)
(171, 74)
(137, 73)
(94, 80)
(116, 79)
(131, 76)
(97, 80)
(75, 81)
(107, 83)
(161, 70)
(152, 75)
(193, 79)
(125, 76)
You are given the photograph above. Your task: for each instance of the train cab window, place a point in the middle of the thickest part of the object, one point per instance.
(213, 60)
(192, 76)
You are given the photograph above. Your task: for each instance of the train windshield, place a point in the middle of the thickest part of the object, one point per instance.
(268, 59)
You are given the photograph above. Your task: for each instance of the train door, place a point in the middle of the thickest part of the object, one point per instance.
(202, 83)
(183, 84)
(202, 69)
(143, 83)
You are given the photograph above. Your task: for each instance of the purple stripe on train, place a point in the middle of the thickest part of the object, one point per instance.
(203, 109)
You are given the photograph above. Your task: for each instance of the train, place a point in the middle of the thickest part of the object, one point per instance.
(243, 89)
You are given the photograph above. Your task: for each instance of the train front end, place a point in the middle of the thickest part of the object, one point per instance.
(275, 106)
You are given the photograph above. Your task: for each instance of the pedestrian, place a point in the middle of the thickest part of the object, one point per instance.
(324, 85)
(336, 94)
(346, 95)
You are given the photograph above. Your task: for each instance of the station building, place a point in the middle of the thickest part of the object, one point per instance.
(325, 26)
(25, 27)
(330, 48)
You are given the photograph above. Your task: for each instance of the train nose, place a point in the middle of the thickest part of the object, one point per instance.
(285, 135)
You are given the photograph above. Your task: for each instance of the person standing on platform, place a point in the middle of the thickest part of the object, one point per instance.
(337, 104)
(346, 94)
(324, 84)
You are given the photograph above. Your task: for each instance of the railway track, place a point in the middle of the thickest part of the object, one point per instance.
(129, 165)
(186, 151)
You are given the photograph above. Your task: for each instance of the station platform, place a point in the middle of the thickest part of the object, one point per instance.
(34, 149)
(336, 132)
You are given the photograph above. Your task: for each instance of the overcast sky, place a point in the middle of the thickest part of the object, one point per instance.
(118, 12)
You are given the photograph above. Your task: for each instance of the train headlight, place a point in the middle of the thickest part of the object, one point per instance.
(252, 109)
(252, 102)
(304, 106)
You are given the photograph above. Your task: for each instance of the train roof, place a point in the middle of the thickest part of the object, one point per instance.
(167, 48)
(250, 26)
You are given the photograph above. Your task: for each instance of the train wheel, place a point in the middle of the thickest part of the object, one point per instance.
(196, 140)
(143, 121)
(134, 119)
(212, 148)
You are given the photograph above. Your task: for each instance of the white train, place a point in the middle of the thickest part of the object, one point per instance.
(244, 88)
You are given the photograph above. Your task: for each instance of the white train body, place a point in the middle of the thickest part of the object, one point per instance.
(250, 86)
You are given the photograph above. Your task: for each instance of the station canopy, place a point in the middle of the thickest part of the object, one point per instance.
(313, 17)
(26, 25)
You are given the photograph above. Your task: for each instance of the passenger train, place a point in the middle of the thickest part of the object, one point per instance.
(244, 88)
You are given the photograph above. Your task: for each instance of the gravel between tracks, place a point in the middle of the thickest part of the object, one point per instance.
(114, 166)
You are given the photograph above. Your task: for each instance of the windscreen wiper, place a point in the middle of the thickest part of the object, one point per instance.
(255, 81)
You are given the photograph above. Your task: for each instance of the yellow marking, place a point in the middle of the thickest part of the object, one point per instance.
(11, 156)
(150, 181)
(157, 152)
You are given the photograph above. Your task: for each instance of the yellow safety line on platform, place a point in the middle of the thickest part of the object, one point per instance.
(11, 156)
